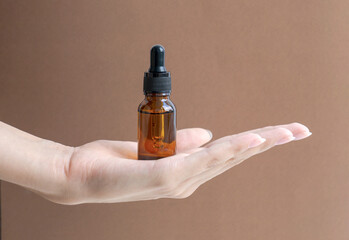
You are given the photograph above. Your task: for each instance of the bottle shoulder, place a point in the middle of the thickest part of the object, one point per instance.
(158, 106)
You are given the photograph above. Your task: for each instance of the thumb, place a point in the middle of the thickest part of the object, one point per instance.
(192, 138)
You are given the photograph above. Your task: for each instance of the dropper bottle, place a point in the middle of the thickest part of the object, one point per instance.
(156, 113)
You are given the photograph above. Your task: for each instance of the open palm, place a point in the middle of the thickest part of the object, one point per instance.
(107, 171)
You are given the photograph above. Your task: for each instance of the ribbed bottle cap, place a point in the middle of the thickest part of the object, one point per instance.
(157, 79)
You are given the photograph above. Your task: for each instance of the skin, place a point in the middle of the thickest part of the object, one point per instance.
(107, 171)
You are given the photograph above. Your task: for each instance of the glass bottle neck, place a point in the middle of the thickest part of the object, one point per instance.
(157, 96)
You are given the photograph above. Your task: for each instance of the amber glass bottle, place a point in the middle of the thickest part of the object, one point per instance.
(156, 113)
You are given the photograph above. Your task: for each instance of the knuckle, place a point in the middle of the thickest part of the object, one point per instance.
(296, 124)
(187, 193)
(214, 160)
(299, 127)
(268, 128)
(169, 192)
(232, 138)
(237, 148)
(176, 193)
(284, 131)
(236, 145)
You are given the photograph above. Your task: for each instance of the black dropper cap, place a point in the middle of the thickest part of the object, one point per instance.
(157, 79)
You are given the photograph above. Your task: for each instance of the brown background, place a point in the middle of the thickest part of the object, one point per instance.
(71, 71)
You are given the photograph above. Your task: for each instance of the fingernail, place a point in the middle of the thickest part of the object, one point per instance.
(256, 142)
(209, 133)
(285, 140)
(302, 135)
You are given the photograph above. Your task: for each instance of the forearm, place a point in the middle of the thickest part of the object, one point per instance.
(32, 162)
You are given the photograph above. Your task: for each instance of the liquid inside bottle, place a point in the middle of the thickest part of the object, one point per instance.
(157, 135)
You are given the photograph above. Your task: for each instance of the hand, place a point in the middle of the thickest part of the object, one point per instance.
(107, 171)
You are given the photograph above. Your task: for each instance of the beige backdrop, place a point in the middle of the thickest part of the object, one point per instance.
(72, 71)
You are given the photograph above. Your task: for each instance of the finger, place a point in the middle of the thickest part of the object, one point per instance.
(192, 138)
(298, 130)
(272, 136)
(216, 154)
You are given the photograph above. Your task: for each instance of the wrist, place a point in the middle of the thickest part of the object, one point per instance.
(34, 163)
(56, 186)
